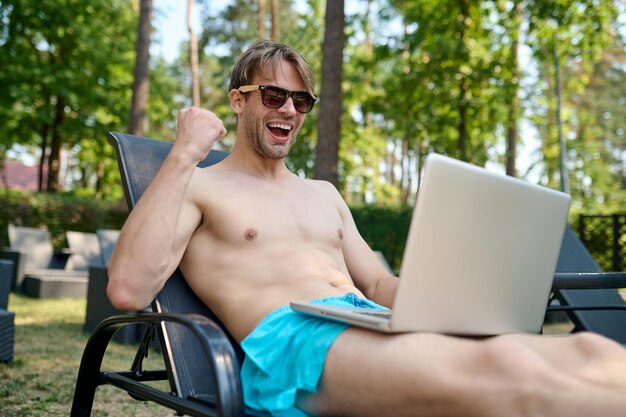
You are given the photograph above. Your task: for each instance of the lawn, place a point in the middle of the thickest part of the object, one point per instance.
(49, 342)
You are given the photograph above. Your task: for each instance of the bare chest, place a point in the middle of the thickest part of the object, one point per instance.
(273, 214)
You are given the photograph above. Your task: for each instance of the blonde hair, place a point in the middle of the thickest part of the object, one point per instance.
(264, 55)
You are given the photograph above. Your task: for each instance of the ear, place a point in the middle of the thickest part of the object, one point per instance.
(236, 100)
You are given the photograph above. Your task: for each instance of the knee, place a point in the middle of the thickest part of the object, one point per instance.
(501, 350)
(587, 341)
(593, 344)
(506, 356)
(513, 375)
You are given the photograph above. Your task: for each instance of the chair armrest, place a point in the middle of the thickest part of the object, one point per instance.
(588, 280)
(215, 344)
(566, 281)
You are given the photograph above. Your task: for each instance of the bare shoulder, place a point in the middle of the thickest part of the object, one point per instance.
(329, 191)
(207, 181)
(323, 186)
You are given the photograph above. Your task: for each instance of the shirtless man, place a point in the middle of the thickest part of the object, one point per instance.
(250, 237)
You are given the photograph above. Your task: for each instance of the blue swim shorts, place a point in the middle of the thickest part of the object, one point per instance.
(285, 355)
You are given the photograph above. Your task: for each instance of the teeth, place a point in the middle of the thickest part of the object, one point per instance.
(279, 126)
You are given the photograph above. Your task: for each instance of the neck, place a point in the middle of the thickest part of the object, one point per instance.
(245, 159)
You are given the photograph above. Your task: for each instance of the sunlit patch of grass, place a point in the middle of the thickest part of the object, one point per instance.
(49, 342)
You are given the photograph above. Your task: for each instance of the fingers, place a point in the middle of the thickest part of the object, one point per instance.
(223, 131)
(195, 121)
(197, 131)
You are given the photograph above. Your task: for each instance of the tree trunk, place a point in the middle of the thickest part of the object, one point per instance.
(513, 100)
(3, 172)
(329, 122)
(550, 136)
(141, 83)
(462, 102)
(54, 159)
(406, 172)
(261, 23)
(462, 126)
(100, 168)
(405, 180)
(43, 158)
(193, 59)
(275, 20)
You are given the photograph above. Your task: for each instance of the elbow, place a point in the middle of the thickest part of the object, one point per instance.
(133, 285)
(123, 296)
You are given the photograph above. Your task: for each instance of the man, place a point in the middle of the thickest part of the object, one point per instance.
(250, 237)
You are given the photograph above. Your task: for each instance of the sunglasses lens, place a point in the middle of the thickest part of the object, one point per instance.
(302, 101)
(273, 98)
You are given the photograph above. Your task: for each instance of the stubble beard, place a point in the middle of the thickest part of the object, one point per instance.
(255, 132)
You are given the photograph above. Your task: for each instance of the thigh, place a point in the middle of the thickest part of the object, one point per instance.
(368, 373)
(372, 374)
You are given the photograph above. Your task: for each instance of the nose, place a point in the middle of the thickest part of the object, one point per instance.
(288, 107)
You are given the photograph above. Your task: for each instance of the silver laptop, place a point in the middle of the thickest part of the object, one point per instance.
(479, 259)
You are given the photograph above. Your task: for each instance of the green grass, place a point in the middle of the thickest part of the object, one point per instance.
(49, 342)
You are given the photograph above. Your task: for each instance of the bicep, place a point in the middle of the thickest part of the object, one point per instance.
(189, 219)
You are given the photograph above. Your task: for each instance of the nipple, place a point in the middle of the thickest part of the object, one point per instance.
(340, 233)
(250, 234)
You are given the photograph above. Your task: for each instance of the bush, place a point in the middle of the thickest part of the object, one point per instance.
(58, 213)
(385, 229)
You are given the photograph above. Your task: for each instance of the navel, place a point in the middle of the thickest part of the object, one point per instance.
(340, 233)
(250, 234)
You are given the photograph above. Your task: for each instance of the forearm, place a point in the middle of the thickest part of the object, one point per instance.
(385, 290)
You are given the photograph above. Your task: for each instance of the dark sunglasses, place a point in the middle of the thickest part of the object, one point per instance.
(274, 97)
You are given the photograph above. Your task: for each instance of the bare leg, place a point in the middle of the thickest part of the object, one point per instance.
(370, 374)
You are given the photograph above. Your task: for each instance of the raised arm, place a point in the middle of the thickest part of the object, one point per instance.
(155, 235)
(366, 271)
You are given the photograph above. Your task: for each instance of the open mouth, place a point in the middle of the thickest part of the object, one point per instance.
(279, 130)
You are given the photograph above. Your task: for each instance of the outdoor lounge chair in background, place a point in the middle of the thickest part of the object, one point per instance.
(587, 294)
(107, 239)
(40, 271)
(84, 251)
(30, 249)
(7, 318)
(201, 359)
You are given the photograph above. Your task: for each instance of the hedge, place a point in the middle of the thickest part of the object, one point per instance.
(385, 229)
(58, 213)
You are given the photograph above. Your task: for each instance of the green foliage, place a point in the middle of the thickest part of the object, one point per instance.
(384, 229)
(572, 36)
(418, 77)
(58, 213)
(597, 178)
(65, 52)
(71, 51)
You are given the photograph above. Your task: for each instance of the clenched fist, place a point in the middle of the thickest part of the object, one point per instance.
(197, 131)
